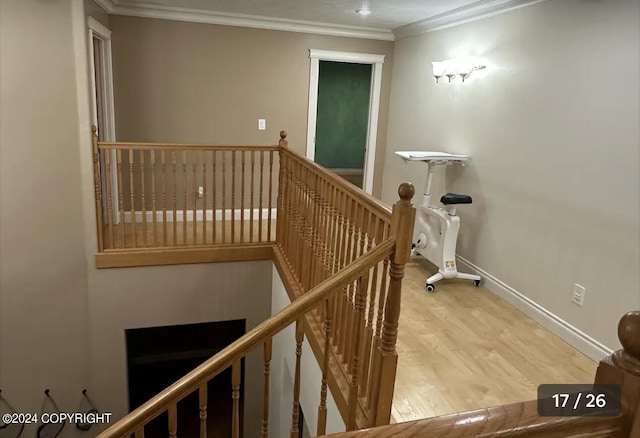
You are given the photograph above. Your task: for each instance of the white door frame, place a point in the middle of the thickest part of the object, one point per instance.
(97, 30)
(376, 62)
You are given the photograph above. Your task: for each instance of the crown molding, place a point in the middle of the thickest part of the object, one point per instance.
(114, 7)
(472, 12)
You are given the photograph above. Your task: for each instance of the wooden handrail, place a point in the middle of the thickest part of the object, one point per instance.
(213, 366)
(185, 146)
(517, 420)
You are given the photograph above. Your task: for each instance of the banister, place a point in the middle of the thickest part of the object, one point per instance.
(517, 420)
(184, 146)
(255, 337)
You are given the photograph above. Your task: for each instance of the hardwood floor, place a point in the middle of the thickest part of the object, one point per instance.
(462, 348)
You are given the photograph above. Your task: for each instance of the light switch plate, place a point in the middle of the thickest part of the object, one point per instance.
(262, 124)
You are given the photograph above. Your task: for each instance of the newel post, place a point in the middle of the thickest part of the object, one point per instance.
(283, 144)
(623, 368)
(402, 220)
(97, 185)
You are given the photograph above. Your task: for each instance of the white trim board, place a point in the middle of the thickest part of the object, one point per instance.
(376, 62)
(570, 334)
(229, 214)
(465, 14)
(148, 10)
(99, 31)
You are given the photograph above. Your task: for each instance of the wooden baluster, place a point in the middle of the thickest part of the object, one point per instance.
(153, 197)
(322, 409)
(402, 220)
(316, 253)
(356, 349)
(283, 144)
(284, 219)
(623, 368)
(341, 226)
(121, 197)
(371, 291)
(194, 171)
(321, 235)
(267, 379)
(292, 230)
(110, 218)
(98, 189)
(269, 236)
(307, 248)
(233, 196)
(333, 250)
(163, 181)
(261, 191)
(251, 205)
(202, 401)
(204, 197)
(143, 200)
(300, 221)
(184, 198)
(356, 315)
(173, 420)
(375, 367)
(348, 321)
(295, 416)
(366, 282)
(224, 213)
(139, 433)
(242, 163)
(214, 193)
(174, 165)
(235, 395)
(132, 206)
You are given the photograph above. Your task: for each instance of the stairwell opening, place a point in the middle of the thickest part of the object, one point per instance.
(158, 356)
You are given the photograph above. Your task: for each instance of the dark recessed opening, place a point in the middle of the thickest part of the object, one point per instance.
(158, 356)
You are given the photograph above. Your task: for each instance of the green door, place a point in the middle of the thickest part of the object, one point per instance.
(342, 116)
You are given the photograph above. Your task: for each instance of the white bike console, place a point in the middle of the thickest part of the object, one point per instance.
(435, 233)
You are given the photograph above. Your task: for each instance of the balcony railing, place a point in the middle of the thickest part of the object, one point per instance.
(340, 254)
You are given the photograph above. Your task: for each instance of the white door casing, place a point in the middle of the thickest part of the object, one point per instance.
(376, 62)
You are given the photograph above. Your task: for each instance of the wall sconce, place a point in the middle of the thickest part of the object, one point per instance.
(455, 67)
(438, 70)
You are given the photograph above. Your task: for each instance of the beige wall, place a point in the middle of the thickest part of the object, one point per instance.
(62, 321)
(127, 298)
(552, 128)
(199, 83)
(43, 269)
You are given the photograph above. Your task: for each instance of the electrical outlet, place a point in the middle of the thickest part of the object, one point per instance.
(578, 294)
(200, 192)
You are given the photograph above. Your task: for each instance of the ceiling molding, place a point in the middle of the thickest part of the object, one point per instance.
(107, 5)
(114, 7)
(474, 11)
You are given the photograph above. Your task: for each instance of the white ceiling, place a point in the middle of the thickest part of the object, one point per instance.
(385, 14)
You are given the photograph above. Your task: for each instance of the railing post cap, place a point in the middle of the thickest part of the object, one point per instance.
(406, 191)
(283, 134)
(94, 129)
(629, 333)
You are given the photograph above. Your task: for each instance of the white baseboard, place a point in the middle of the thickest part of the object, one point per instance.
(574, 337)
(229, 214)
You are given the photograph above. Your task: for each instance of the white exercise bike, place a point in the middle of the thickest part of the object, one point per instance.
(435, 233)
